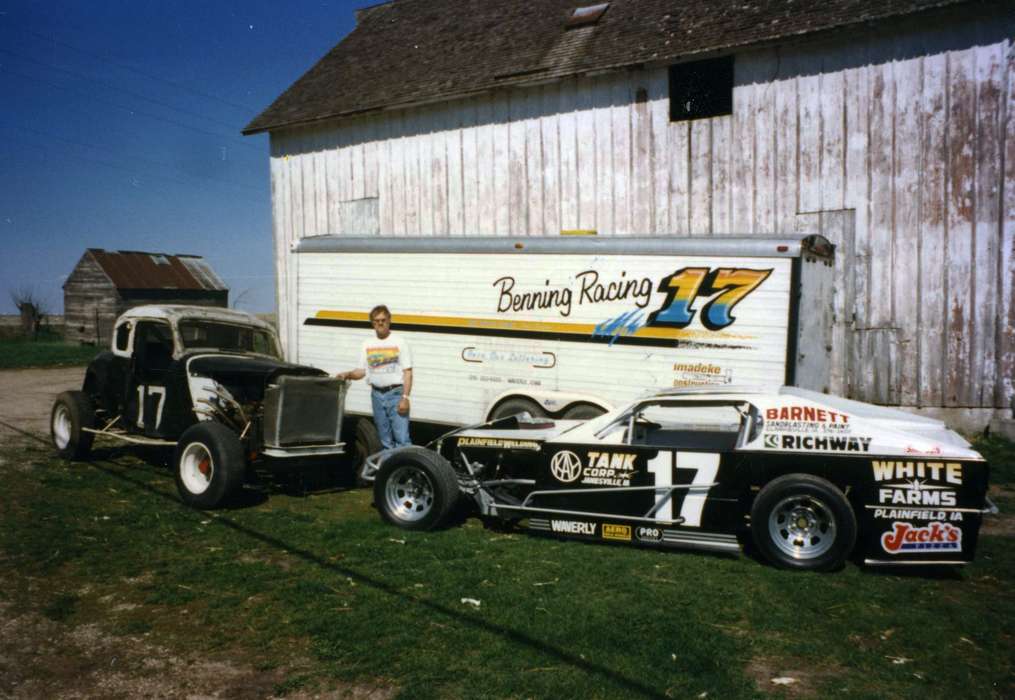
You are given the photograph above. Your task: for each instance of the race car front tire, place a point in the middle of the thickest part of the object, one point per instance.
(801, 521)
(416, 489)
(209, 465)
(72, 412)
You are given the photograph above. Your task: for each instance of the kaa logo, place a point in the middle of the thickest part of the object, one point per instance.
(566, 466)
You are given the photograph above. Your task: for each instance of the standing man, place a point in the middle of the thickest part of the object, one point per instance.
(387, 364)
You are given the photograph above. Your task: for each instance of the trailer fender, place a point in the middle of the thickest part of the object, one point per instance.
(554, 403)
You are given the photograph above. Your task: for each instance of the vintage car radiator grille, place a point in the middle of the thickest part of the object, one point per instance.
(303, 411)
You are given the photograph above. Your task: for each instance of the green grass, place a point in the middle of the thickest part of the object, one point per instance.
(18, 353)
(316, 585)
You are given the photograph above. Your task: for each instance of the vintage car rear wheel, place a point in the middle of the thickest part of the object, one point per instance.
(72, 411)
(209, 465)
(416, 489)
(801, 521)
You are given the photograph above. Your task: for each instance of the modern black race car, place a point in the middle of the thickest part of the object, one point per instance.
(809, 478)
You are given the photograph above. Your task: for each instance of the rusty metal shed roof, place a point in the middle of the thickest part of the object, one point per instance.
(128, 269)
(409, 52)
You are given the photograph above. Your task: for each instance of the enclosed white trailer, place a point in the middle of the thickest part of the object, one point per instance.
(571, 325)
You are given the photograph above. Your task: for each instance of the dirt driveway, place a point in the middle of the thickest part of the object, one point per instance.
(28, 396)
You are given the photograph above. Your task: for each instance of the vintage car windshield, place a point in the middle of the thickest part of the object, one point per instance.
(226, 336)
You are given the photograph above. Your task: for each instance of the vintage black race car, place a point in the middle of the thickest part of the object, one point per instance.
(210, 382)
(808, 478)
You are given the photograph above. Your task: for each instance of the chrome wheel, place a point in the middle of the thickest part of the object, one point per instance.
(62, 426)
(409, 494)
(802, 527)
(197, 468)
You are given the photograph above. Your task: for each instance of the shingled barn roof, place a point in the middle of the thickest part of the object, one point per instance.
(410, 52)
(136, 270)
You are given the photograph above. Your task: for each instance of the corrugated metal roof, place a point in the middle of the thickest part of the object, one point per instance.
(409, 52)
(129, 269)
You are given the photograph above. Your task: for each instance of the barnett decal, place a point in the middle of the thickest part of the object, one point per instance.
(806, 419)
(905, 538)
(501, 443)
(820, 444)
(616, 532)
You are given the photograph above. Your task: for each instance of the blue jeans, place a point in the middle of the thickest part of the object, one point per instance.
(392, 428)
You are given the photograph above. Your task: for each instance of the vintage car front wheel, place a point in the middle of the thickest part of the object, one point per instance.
(416, 489)
(72, 411)
(801, 521)
(209, 464)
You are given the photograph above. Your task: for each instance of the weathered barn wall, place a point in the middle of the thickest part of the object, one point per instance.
(898, 145)
(90, 304)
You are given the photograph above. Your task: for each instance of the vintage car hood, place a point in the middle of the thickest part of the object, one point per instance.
(225, 365)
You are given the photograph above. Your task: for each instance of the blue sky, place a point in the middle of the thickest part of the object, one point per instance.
(120, 129)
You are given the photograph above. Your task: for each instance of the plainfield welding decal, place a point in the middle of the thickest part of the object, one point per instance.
(616, 532)
(816, 443)
(501, 443)
(905, 537)
(806, 419)
(573, 527)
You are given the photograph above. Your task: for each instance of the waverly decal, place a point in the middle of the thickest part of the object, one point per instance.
(907, 538)
(599, 468)
(814, 443)
(573, 527)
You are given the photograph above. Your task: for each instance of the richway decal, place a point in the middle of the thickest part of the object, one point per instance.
(948, 472)
(806, 419)
(502, 443)
(816, 443)
(616, 532)
(905, 538)
(573, 527)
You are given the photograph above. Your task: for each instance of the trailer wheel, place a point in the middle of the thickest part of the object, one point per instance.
(210, 465)
(583, 411)
(510, 407)
(71, 412)
(800, 521)
(416, 489)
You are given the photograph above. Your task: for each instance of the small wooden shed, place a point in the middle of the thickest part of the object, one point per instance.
(104, 284)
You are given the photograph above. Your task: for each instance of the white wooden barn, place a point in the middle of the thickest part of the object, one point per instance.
(886, 125)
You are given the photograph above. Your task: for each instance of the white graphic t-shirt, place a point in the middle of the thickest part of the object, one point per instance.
(384, 360)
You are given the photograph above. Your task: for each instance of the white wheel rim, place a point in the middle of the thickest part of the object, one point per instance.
(197, 468)
(409, 494)
(61, 426)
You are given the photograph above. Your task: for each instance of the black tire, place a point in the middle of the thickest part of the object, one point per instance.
(582, 411)
(209, 465)
(366, 442)
(510, 407)
(71, 412)
(416, 489)
(801, 521)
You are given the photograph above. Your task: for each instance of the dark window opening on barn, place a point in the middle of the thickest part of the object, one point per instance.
(584, 16)
(701, 89)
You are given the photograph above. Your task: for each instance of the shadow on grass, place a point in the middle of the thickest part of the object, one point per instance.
(512, 635)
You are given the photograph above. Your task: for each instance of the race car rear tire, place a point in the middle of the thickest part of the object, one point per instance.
(209, 465)
(510, 407)
(416, 489)
(72, 411)
(801, 521)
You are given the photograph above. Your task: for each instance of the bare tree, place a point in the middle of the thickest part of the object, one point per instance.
(240, 299)
(32, 309)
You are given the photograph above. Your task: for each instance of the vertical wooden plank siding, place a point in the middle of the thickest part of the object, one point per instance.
(961, 163)
(903, 154)
(933, 196)
(906, 222)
